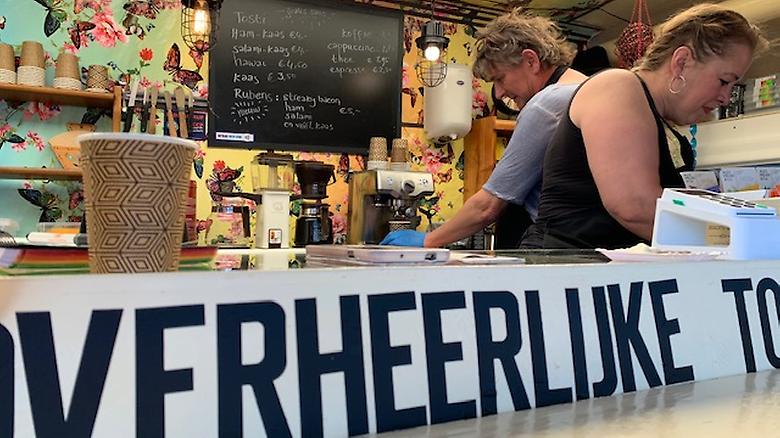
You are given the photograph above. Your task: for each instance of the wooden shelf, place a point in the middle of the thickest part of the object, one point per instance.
(58, 96)
(504, 126)
(479, 151)
(39, 173)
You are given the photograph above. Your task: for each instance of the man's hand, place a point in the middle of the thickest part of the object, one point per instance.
(404, 238)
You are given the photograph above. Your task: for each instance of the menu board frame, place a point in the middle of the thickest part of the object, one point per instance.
(314, 139)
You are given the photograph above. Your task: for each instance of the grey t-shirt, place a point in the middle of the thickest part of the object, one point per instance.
(517, 177)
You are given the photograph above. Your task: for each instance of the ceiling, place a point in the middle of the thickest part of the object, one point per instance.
(590, 21)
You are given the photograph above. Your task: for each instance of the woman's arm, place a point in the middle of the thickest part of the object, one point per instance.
(621, 142)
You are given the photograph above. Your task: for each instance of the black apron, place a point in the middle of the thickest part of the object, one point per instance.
(514, 220)
(571, 212)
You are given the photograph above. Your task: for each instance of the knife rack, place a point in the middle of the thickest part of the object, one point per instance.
(199, 105)
(199, 102)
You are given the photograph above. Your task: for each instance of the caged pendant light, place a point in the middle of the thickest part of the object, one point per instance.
(431, 66)
(199, 23)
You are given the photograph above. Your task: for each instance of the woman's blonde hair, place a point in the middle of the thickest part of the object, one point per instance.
(503, 39)
(707, 29)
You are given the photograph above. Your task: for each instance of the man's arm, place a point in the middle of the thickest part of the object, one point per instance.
(480, 210)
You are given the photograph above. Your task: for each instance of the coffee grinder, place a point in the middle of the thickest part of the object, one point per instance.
(314, 225)
(381, 201)
(272, 180)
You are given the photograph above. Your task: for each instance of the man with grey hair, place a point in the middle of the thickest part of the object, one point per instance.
(526, 58)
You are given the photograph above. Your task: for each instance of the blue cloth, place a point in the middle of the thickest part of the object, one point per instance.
(404, 238)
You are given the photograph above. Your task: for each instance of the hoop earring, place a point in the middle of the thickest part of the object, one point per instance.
(671, 84)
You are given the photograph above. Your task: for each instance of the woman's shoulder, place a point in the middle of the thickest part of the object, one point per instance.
(614, 77)
(612, 94)
(612, 84)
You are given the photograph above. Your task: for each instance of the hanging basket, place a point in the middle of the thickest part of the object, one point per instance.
(636, 37)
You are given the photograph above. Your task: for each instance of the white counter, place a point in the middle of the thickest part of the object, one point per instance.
(332, 351)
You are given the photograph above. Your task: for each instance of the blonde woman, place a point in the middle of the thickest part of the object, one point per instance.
(616, 148)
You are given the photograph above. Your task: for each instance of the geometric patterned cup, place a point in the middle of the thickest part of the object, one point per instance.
(135, 194)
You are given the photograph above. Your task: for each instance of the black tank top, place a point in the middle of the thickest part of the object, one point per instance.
(571, 214)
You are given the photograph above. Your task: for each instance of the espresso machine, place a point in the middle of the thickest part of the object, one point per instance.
(314, 225)
(381, 201)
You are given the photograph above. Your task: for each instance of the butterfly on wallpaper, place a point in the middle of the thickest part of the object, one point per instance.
(343, 167)
(412, 94)
(204, 225)
(448, 154)
(46, 201)
(197, 52)
(10, 137)
(143, 8)
(75, 199)
(361, 162)
(79, 28)
(427, 205)
(2, 22)
(446, 176)
(188, 78)
(467, 46)
(78, 6)
(460, 165)
(408, 38)
(197, 165)
(132, 27)
(55, 15)
(92, 115)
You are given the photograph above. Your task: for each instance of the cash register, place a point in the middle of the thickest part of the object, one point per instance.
(682, 217)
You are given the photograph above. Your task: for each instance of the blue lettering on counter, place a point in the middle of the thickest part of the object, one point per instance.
(232, 374)
(40, 363)
(312, 364)
(438, 352)
(738, 287)
(152, 380)
(6, 382)
(385, 357)
(499, 339)
(505, 351)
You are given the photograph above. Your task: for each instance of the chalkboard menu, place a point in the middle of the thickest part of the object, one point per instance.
(305, 75)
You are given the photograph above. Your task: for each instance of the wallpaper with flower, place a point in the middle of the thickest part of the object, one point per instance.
(140, 39)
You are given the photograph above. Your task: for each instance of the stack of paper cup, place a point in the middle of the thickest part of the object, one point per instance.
(377, 153)
(398, 155)
(97, 78)
(31, 67)
(7, 64)
(66, 73)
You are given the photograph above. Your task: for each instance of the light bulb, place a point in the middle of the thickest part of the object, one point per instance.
(432, 53)
(201, 22)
